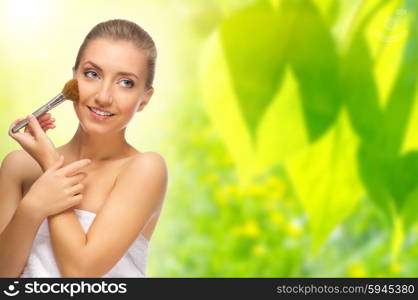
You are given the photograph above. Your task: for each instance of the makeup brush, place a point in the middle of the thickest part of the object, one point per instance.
(70, 92)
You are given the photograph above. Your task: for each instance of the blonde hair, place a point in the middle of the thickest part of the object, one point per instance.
(117, 30)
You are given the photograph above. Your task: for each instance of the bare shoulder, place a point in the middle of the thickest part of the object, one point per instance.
(153, 166)
(152, 159)
(147, 170)
(149, 162)
(19, 165)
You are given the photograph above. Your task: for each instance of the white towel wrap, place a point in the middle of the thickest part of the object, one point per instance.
(41, 261)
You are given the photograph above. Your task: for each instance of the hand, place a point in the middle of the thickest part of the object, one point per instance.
(35, 141)
(57, 189)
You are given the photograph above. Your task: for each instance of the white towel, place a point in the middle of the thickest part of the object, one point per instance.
(41, 261)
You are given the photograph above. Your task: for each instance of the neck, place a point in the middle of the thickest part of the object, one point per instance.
(98, 147)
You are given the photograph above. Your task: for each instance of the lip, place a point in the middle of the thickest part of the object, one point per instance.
(98, 117)
(101, 109)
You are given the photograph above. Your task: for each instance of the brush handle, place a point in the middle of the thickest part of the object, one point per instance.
(40, 111)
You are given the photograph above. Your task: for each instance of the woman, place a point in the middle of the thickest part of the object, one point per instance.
(89, 207)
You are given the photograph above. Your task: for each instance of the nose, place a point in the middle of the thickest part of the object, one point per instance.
(104, 95)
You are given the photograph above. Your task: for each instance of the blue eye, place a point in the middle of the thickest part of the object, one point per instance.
(89, 72)
(130, 83)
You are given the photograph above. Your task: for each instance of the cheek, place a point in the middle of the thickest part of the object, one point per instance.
(128, 109)
(84, 91)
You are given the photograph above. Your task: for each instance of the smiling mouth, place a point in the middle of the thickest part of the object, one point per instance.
(100, 113)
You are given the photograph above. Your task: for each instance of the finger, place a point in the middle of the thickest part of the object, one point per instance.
(49, 121)
(74, 200)
(47, 126)
(76, 189)
(44, 117)
(28, 130)
(71, 168)
(15, 122)
(13, 125)
(76, 178)
(35, 126)
(18, 136)
(57, 164)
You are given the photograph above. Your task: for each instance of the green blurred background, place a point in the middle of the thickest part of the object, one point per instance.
(290, 128)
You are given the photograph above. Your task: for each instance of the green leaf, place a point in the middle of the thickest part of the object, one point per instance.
(254, 51)
(388, 175)
(326, 179)
(401, 98)
(410, 208)
(278, 129)
(222, 107)
(374, 165)
(313, 57)
(386, 35)
(410, 141)
(329, 9)
(361, 96)
(402, 182)
(282, 132)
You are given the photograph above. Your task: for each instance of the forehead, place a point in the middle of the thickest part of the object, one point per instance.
(115, 56)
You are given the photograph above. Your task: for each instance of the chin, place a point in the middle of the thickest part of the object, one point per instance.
(96, 129)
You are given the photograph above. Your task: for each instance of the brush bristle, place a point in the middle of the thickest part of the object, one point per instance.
(70, 90)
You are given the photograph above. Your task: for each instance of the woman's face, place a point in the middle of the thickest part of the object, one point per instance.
(111, 80)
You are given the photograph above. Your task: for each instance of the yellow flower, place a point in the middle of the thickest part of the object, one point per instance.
(236, 230)
(224, 193)
(277, 217)
(275, 194)
(294, 229)
(249, 229)
(220, 197)
(258, 250)
(271, 204)
(253, 191)
(356, 269)
(395, 267)
(276, 183)
(222, 201)
(227, 161)
(212, 178)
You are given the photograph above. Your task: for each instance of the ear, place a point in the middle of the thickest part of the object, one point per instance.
(145, 99)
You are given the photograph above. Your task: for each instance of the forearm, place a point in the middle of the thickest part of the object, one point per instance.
(69, 243)
(48, 160)
(68, 239)
(16, 241)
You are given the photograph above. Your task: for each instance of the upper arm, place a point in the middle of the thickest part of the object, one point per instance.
(10, 186)
(137, 195)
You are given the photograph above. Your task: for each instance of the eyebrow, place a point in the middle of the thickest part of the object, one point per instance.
(100, 69)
